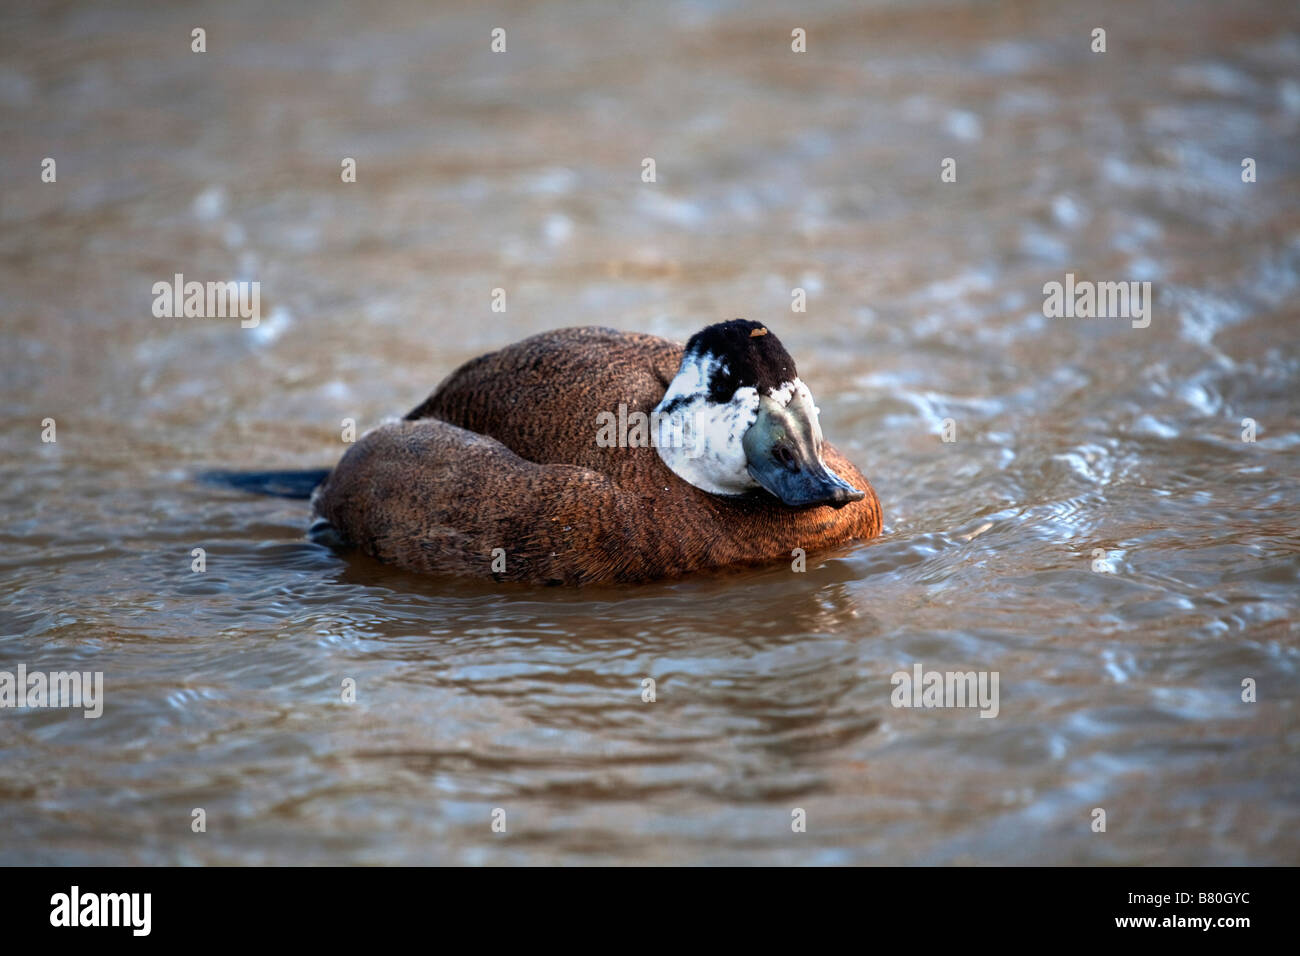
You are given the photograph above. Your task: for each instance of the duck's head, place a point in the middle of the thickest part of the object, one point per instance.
(747, 422)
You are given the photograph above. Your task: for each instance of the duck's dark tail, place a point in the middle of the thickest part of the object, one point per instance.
(281, 484)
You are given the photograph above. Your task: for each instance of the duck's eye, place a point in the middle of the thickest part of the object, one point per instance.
(784, 456)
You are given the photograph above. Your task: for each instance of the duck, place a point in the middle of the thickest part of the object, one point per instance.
(520, 466)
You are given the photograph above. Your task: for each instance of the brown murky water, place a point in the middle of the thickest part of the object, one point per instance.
(775, 170)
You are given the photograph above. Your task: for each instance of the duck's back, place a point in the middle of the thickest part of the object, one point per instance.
(544, 397)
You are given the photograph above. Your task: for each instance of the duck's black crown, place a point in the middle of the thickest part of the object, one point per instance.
(751, 357)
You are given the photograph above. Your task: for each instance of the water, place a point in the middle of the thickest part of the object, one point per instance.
(775, 170)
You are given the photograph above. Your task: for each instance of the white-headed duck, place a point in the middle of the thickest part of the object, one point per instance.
(518, 466)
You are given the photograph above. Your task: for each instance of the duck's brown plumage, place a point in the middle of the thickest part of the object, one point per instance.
(504, 455)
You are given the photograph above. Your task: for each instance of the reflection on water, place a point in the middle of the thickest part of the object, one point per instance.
(775, 170)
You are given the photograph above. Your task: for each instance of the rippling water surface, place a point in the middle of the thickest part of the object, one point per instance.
(775, 170)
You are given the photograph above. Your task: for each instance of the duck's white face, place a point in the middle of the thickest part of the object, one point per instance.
(710, 453)
(732, 422)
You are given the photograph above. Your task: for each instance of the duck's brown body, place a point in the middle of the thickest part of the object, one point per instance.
(504, 454)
